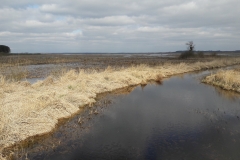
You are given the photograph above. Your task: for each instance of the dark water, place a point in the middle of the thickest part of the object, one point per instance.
(182, 119)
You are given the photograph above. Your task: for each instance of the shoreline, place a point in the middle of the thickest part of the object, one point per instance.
(36, 109)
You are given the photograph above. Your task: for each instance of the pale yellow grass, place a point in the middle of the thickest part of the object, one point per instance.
(226, 79)
(28, 110)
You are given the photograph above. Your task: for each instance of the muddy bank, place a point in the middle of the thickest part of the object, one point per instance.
(81, 120)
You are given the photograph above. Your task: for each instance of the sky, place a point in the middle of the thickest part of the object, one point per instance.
(60, 26)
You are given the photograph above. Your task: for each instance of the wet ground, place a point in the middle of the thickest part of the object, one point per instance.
(38, 67)
(178, 119)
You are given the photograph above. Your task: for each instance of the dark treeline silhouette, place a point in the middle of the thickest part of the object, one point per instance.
(4, 49)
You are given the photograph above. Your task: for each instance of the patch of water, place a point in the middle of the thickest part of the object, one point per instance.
(180, 119)
(34, 80)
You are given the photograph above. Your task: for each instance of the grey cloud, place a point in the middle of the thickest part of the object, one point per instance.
(136, 25)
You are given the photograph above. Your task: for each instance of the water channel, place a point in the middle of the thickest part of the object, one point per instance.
(180, 119)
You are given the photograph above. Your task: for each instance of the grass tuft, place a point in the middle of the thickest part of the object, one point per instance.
(226, 79)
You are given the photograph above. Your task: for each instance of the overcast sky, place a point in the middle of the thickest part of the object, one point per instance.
(119, 25)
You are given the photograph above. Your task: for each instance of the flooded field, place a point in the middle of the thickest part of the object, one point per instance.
(178, 119)
(38, 67)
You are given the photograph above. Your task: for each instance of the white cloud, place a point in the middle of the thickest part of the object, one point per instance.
(110, 21)
(49, 7)
(175, 9)
(119, 26)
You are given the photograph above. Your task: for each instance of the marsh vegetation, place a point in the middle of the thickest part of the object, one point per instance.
(36, 108)
(229, 80)
(178, 119)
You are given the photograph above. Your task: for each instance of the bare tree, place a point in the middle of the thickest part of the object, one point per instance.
(190, 46)
(189, 52)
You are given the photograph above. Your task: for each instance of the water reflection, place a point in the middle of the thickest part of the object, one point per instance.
(180, 119)
(231, 95)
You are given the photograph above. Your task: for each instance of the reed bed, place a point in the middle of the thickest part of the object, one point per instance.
(28, 110)
(226, 79)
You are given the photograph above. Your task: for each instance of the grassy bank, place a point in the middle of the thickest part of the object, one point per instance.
(229, 80)
(28, 110)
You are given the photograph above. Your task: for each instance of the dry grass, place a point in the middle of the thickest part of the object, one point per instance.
(14, 73)
(16, 60)
(12, 70)
(28, 110)
(226, 79)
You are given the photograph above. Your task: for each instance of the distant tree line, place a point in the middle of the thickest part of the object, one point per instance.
(4, 49)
